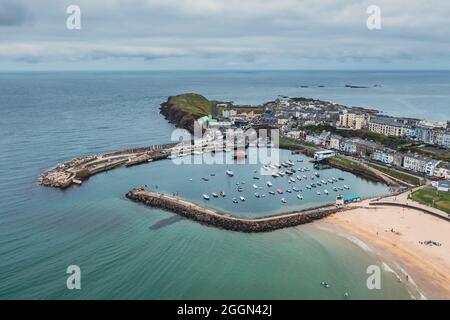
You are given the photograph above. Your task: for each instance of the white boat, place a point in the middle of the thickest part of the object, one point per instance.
(283, 200)
(305, 177)
(272, 166)
(295, 189)
(299, 178)
(308, 186)
(257, 195)
(317, 174)
(346, 187)
(269, 184)
(215, 195)
(288, 191)
(223, 194)
(255, 186)
(277, 165)
(300, 196)
(275, 175)
(318, 192)
(205, 196)
(325, 191)
(230, 173)
(292, 179)
(281, 173)
(235, 200)
(242, 198)
(323, 181)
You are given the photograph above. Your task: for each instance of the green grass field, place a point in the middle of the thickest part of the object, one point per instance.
(439, 200)
(193, 103)
(347, 163)
(416, 181)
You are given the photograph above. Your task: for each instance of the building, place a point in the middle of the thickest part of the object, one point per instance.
(443, 185)
(383, 156)
(442, 170)
(416, 163)
(335, 142)
(322, 155)
(431, 166)
(389, 126)
(229, 113)
(351, 120)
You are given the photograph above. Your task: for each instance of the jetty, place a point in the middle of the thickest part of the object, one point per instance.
(77, 170)
(226, 221)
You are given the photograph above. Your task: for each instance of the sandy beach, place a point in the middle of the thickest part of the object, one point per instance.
(395, 234)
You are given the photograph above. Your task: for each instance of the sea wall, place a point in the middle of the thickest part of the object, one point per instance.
(225, 221)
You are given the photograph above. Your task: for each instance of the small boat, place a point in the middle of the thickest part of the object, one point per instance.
(277, 165)
(342, 179)
(319, 184)
(205, 179)
(346, 187)
(280, 191)
(288, 191)
(205, 196)
(324, 284)
(318, 192)
(257, 195)
(242, 198)
(300, 196)
(240, 189)
(215, 195)
(263, 195)
(295, 189)
(235, 200)
(256, 178)
(335, 189)
(291, 179)
(242, 182)
(255, 186)
(272, 166)
(340, 188)
(272, 193)
(237, 183)
(230, 173)
(323, 181)
(317, 174)
(299, 160)
(275, 175)
(212, 174)
(283, 200)
(269, 184)
(305, 177)
(325, 191)
(190, 179)
(313, 185)
(281, 173)
(299, 178)
(330, 181)
(289, 162)
(308, 187)
(222, 194)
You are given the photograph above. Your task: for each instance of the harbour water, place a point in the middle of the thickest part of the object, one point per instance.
(126, 250)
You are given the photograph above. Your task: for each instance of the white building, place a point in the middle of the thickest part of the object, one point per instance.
(322, 155)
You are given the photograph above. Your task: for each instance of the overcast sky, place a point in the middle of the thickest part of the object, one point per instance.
(224, 34)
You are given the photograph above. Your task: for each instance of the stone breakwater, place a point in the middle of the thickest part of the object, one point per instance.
(226, 221)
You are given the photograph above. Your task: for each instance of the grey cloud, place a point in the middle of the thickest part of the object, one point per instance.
(13, 14)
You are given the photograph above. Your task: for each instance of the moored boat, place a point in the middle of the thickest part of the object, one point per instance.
(205, 196)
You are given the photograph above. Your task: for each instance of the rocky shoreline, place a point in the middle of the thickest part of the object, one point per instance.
(225, 221)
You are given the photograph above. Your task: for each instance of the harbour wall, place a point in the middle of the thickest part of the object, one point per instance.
(226, 221)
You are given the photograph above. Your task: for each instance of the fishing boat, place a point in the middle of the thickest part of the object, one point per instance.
(269, 184)
(325, 191)
(318, 192)
(230, 173)
(215, 195)
(272, 193)
(257, 195)
(283, 200)
(280, 191)
(242, 198)
(300, 196)
(255, 186)
(205, 196)
(346, 187)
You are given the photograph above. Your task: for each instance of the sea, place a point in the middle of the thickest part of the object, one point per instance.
(125, 250)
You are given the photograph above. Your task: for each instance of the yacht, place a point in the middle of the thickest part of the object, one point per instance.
(205, 196)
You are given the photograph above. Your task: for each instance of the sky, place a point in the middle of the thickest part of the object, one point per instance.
(224, 34)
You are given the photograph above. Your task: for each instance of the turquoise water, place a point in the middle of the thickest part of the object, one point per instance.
(126, 250)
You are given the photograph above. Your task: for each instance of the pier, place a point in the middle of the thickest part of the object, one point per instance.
(226, 221)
